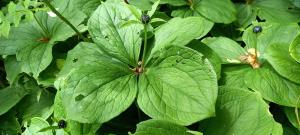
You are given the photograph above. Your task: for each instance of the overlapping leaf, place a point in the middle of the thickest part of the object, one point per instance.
(241, 112)
(217, 11)
(159, 127)
(98, 81)
(33, 43)
(163, 95)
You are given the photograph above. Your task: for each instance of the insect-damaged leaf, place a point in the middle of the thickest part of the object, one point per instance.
(101, 72)
(180, 86)
(105, 28)
(98, 87)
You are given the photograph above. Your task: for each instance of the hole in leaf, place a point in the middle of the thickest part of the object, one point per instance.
(79, 97)
(75, 60)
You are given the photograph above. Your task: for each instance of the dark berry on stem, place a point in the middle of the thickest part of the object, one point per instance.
(145, 18)
(257, 29)
(62, 124)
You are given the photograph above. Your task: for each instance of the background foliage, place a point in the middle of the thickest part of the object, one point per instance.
(149, 67)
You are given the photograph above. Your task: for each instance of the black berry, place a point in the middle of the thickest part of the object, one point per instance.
(30, 7)
(62, 124)
(145, 18)
(257, 29)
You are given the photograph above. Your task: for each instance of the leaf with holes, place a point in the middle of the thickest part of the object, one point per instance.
(163, 95)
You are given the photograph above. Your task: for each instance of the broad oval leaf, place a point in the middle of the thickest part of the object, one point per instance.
(180, 31)
(221, 11)
(278, 56)
(276, 10)
(160, 127)
(105, 28)
(273, 87)
(295, 49)
(9, 97)
(98, 87)
(180, 86)
(241, 112)
(228, 50)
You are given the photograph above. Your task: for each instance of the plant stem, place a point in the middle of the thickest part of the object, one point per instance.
(65, 20)
(248, 1)
(42, 26)
(145, 42)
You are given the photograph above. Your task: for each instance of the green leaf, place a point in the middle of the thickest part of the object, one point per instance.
(162, 95)
(9, 124)
(121, 43)
(33, 44)
(295, 49)
(144, 5)
(222, 11)
(173, 2)
(273, 87)
(96, 76)
(276, 10)
(278, 56)
(245, 14)
(271, 33)
(153, 8)
(241, 112)
(235, 75)
(12, 68)
(5, 28)
(36, 125)
(11, 7)
(209, 54)
(86, 6)
(159, 127)
(228, 50)
(291, 115)
(39, 104)
(10, 96)
(73, 127)
(180, 32)
(35, 58)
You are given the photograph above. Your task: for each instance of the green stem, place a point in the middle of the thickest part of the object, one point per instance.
(249, 1)
(42, 26)
(65, 20)
(145, 42)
